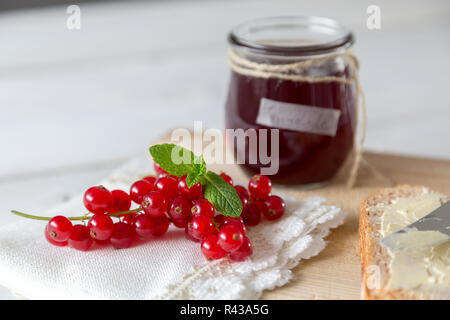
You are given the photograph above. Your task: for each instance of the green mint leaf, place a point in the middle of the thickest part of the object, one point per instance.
(198, 170)
(223, 196)
(170, 157)
(177, 160)
(192, 179)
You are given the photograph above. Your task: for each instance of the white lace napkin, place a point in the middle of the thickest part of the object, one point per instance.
(170, 267)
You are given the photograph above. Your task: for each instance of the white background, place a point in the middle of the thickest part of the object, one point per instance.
(76, 103)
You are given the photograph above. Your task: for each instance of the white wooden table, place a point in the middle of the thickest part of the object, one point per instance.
(76, 103)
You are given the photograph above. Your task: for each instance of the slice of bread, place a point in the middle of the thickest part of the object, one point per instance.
(373, 254)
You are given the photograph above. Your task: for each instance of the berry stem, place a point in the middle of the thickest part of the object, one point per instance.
(85, 217)
(29, 216)
(116, 214)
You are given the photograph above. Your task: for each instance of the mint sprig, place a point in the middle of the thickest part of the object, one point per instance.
(198, 170)
(223, 196)
(179, 162)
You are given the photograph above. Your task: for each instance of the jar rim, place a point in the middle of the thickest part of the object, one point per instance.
(298, 36)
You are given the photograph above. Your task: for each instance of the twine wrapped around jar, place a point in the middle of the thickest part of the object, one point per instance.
(289, 71)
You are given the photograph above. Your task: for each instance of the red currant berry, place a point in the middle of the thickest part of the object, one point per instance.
(220, 219)
(155, 203)
(251, 215)
(53, 242)
(243, 195)
(142, 225)
(237, 222)
(151, 179)
(244, 201)
(211, 249)
(262, 207)
(189, 235)
(159, 171)
(80, 238)
(230, 238)
(202, 207)
(139, 189)
(98, 200)
(123, 235)
(259, 186)
(102, 242)
(121, 201)
(190, 193)
(147, 226)
(199, 227)
(59, 228)
(227, 178)
(160, 225)
(275, 208)
(242, 192)
(167, 185)
(128, 218)
(101, 226)
(243, 252)
(180, 211)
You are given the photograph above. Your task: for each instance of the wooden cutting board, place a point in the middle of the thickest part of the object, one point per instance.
(335, 272)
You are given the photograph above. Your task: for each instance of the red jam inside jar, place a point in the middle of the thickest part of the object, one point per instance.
(306, 157)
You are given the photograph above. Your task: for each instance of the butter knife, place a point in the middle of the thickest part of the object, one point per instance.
(427, 232)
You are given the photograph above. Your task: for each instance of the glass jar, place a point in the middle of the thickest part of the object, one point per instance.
(311, 101)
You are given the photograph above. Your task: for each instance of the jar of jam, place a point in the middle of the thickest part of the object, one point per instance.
(295, 75)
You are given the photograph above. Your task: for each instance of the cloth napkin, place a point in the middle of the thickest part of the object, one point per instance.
(170, 267)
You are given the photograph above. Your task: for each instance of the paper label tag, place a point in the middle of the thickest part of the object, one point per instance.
(298, 117)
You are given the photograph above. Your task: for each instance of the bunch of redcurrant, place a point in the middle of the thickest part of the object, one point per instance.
(165, 199)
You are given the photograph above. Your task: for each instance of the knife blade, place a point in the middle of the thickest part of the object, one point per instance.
(427, 232)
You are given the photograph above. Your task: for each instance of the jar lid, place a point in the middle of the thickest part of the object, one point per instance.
(292, 36)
